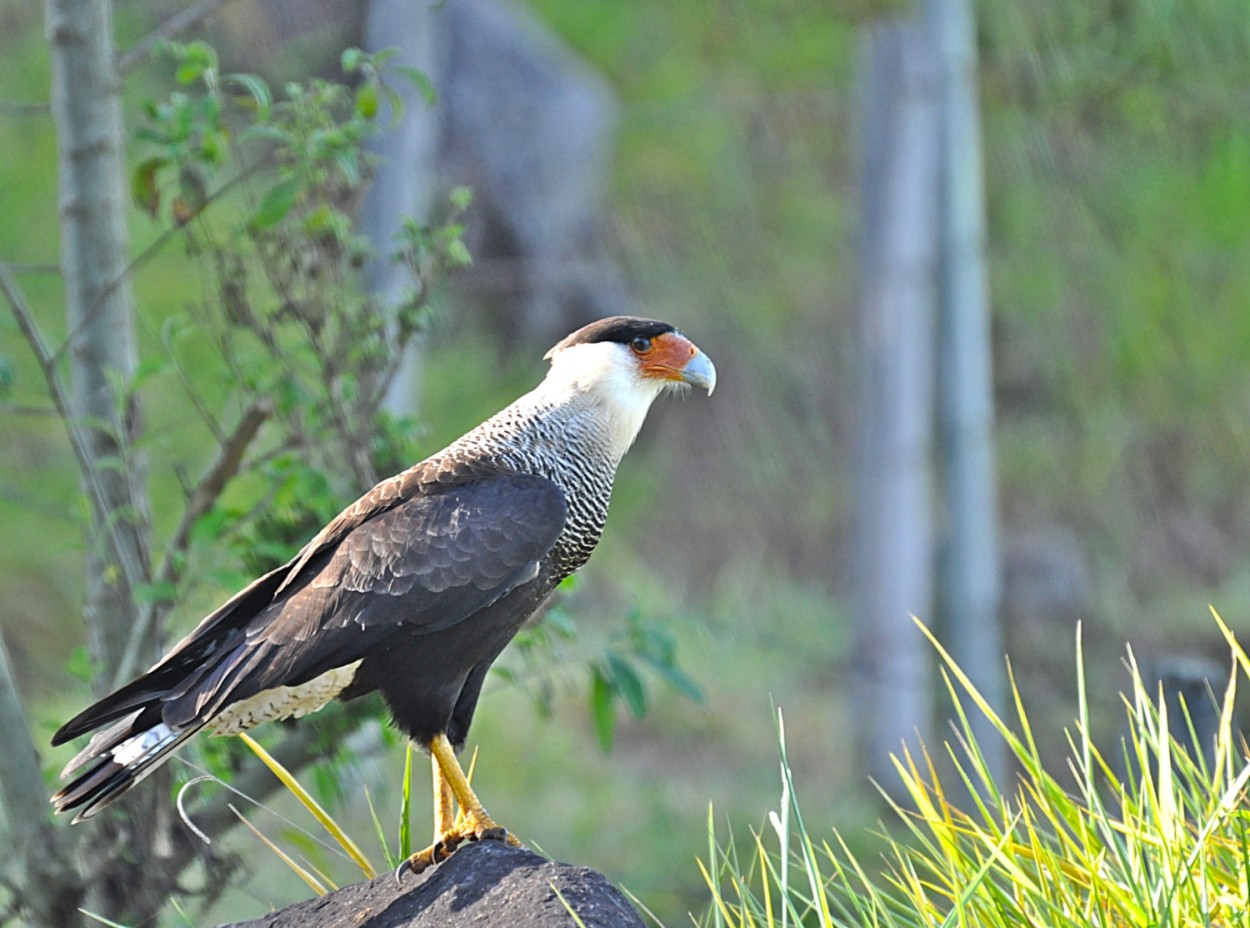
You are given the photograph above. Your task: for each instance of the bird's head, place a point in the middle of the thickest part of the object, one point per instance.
(623, 363)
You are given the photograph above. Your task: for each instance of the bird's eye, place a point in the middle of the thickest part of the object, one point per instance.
(640, 345)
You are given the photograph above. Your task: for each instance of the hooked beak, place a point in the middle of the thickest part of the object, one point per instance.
(700, 372)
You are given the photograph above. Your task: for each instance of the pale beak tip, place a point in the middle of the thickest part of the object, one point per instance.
(700, 372)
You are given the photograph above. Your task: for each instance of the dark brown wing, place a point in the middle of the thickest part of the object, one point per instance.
(415, 565)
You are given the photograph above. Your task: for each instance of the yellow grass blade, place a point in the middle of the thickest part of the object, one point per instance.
(331, 826)
(313, 883)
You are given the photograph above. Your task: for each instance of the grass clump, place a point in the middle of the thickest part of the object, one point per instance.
(1155, 832)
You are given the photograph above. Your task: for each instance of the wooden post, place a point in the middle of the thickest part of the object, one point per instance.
(969, 574)
(404, 183)
(896, 308)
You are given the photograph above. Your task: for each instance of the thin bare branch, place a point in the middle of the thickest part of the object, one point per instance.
(206, 493)
(171, 28)
(25, 109)
(17, 268)
(27, 409)
(142, 258)
(134, 572)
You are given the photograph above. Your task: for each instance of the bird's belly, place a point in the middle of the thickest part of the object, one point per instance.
(423, 683)
(283, 702)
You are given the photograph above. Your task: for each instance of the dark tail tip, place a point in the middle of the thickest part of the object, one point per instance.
(114, 764)
(95, 789)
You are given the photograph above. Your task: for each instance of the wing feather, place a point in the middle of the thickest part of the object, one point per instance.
(416, 568)
(407, 557)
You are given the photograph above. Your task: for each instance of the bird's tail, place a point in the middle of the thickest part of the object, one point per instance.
(115, 760)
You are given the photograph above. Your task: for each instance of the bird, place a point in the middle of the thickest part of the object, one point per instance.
(413, 590)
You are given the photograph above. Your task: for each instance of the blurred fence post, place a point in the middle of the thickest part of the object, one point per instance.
(896, 308)
(405, 177)
(969, 571)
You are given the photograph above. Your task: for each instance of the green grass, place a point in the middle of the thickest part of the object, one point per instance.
(1146, 832)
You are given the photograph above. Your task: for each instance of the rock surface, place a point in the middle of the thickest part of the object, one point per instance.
(486, 885)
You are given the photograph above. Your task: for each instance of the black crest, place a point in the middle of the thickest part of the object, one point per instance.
(623, 329)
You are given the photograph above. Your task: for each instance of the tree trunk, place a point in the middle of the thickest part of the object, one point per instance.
(893, 674)
(53, 889)
(99, 313)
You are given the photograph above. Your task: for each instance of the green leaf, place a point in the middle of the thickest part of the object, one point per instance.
(367, 100)
(418, 79)
(269, 133)
(195, 60)
(155, 592)
(561, 623)
(278, 201)
(348, 164)
(680, 681)
(148, 368)
(460, 198)
(79, 665)
(214, 525)
(628, 684)
(152, 136)
(458, 254)
(255, 88)
(350, 60)
(187, 72)
(147, 195)
(602, 709)
(213, 147)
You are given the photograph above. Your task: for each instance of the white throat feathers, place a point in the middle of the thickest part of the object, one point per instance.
(607, 378)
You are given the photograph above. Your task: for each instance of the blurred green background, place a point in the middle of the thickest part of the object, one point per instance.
(1117, 148)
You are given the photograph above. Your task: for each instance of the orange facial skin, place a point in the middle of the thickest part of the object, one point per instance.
(665, 356)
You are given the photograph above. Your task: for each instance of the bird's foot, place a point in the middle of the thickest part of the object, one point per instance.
(465, 830)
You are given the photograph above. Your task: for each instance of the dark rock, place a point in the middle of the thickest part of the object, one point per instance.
(486, 885)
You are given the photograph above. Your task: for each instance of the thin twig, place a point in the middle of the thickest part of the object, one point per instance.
(206, 493)
(25, 109)
(201, 407)
(134, 572)
(50, 512)
(17, 268)
(141, 259)
(189, 18)
(27, 409)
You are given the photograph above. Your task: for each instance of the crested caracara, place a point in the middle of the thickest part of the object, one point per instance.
(414, 589)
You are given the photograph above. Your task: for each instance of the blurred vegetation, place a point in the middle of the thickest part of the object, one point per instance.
(1118, 162)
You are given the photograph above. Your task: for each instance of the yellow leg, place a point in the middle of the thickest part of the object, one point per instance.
(452, 827)
(477, 823)
(444, 803)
